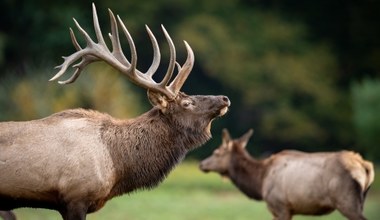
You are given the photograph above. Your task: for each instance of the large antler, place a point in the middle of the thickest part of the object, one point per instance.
(99, 51)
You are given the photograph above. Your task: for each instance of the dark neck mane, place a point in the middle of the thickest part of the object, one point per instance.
(145, 149)
(247, 174)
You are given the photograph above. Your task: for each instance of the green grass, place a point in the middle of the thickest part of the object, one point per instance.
(188, 194)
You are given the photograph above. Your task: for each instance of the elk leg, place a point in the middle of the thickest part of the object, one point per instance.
(352, 208)
(351, 205)
(74, 211)
(283, 216)
(352, 214)
(280, 212)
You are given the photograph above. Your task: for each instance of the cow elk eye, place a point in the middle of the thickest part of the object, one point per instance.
(217, 152)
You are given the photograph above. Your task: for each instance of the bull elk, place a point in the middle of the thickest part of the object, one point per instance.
(74, 161)
(293, 182)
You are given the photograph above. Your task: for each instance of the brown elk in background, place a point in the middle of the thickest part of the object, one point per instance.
(293, 182)
(75, 161)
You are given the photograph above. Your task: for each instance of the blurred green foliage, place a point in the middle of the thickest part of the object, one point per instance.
(282, 77)
(366, 118)
(100, 89)
(287, 66)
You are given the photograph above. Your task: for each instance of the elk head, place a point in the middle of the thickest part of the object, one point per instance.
(220, 160)
(164, 95)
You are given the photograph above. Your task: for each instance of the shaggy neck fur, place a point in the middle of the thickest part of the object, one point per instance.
(247, 173)
(145, 149)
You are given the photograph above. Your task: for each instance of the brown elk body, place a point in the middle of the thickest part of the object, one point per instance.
(76, 160)
(293, 182)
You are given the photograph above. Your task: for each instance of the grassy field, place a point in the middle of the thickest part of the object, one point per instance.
(188, 194)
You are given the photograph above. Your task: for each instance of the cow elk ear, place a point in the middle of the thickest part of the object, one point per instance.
(225, 137)
(158, 99)
(227, 141)
(243, 140)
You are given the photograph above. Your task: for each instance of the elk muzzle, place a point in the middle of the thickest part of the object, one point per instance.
(203, 167)
(220, 105)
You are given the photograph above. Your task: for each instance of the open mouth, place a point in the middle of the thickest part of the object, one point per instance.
(223, 111)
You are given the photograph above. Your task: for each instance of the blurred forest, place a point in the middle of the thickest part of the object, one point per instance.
(303, 74)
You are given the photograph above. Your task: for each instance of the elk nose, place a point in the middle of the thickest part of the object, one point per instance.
(202, 167)
(226, 100)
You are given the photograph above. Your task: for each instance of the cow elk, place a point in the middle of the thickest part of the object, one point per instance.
(293, 182)
(76, 160)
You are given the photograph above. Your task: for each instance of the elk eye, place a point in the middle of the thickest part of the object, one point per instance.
(186, 104)
(217, 152)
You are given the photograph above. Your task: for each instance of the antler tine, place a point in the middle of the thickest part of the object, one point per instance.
(79, 66)
(156, 54)
(87, 37)
(85, 54)
(115, 40)
(172, 61)
(95, 51)
(98, 31)
(74, 40)
(67, 61)
(72, 78)
(131, 45)
(144, 80)
(184, 71)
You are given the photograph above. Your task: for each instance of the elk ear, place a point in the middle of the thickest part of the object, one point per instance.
(243, 140)
(158, 99)
(225, 136)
